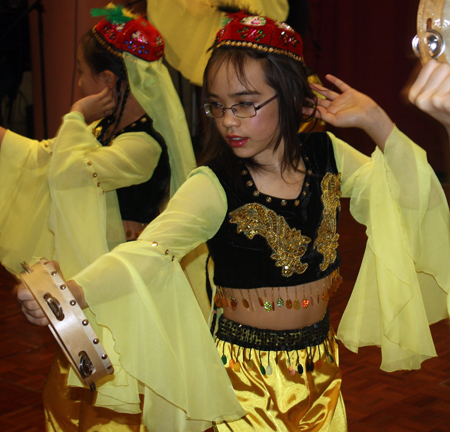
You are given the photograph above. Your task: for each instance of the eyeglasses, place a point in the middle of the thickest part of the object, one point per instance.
(241, 110)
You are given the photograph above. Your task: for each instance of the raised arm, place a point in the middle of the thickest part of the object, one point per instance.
(349, 108)
(130, 160)
(193, 215)
(142, 299)
(431, 92)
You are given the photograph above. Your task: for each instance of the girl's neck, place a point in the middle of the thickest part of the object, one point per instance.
(133, 111)
(286, 184)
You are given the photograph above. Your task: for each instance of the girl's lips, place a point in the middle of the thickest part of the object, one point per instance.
(236, 141)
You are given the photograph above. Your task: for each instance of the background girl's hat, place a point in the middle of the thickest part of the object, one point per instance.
(260, 33)
(121, 31)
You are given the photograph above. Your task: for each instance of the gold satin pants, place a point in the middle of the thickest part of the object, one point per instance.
(71, 409)
(286, 400)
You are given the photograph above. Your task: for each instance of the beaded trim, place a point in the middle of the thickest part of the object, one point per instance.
(106, 45)
(261, 48)
(225, 297)
(283, 202)
(273, 340)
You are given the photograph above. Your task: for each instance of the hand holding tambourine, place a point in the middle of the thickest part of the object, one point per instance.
(430, 90)
(46, 300)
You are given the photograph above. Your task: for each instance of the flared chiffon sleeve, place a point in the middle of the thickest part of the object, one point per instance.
(404, 277)
(24, 200)
(58, 199)
(154, 330)
(84, 175)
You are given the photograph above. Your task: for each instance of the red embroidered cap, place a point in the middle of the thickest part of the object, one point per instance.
(133, 35)
(260, 33)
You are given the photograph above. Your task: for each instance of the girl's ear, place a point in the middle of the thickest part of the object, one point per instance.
(109, 78)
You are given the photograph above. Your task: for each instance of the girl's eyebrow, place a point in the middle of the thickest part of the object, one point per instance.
(242, 93)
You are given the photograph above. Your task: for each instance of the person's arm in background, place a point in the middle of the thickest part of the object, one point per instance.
(430, 92)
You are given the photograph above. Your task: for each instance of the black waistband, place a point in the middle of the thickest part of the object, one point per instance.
(273, 340)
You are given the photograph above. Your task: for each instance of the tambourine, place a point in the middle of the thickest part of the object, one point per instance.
(433, 31)
(67, 322)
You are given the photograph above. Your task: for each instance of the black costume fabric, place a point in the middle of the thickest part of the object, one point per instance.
(142, 202)
(237, 256)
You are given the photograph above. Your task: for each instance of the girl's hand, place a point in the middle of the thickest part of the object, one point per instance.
(97, 106)
(31, 308)
(431, 91)
(350, 108)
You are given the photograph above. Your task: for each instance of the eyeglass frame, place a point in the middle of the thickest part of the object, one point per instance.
(257, 107)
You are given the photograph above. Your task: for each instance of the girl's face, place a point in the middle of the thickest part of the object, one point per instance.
(89, 83)
(253, 137)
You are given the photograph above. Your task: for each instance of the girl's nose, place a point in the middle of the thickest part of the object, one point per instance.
(229, 119)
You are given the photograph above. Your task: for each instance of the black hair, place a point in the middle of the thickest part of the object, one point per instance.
(100, 59)
(288, 78)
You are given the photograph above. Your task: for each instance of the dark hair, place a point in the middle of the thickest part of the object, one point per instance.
(100, 59)
(288, 78)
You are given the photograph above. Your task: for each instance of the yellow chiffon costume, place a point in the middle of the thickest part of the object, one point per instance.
(58, 200)
(160, 344)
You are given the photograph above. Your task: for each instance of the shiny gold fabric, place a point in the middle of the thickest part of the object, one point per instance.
(283, 402)
(71, 409)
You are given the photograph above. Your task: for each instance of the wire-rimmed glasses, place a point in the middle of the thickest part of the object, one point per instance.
(240, 110)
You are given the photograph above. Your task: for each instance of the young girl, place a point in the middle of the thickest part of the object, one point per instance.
(267, 204)
(118, 154)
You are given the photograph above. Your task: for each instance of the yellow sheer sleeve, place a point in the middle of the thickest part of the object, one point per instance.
(58, 198)
(153, 328)
(130, 160)
(85, 216)
(24, 200)
(402, 284)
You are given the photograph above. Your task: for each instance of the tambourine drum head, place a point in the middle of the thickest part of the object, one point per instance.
(433, 31)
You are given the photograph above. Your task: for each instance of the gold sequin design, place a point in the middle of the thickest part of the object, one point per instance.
(288, 244)
(327, 239)
(97, 131)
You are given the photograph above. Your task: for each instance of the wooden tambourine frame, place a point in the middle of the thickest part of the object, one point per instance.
(432, 30)
(67, 322)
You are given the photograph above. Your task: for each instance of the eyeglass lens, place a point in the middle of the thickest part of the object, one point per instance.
(239, 110)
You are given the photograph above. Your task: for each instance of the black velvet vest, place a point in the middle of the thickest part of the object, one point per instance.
(270, 242)
(141, 203)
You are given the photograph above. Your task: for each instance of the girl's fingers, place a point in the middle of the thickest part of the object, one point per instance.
(422, 79)
(433, 82)
(327, 93)
(308, 111)
(325, 103)
(341, 85)
(104, 93)
(32, 309)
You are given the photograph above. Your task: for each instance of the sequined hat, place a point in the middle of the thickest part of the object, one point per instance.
(260, 33)
(121, 31)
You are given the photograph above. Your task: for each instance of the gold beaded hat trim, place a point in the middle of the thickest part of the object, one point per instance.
(262, 34)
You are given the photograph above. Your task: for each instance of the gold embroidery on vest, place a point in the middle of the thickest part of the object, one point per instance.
(288, 244)
(327, 239)
(97, 131)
